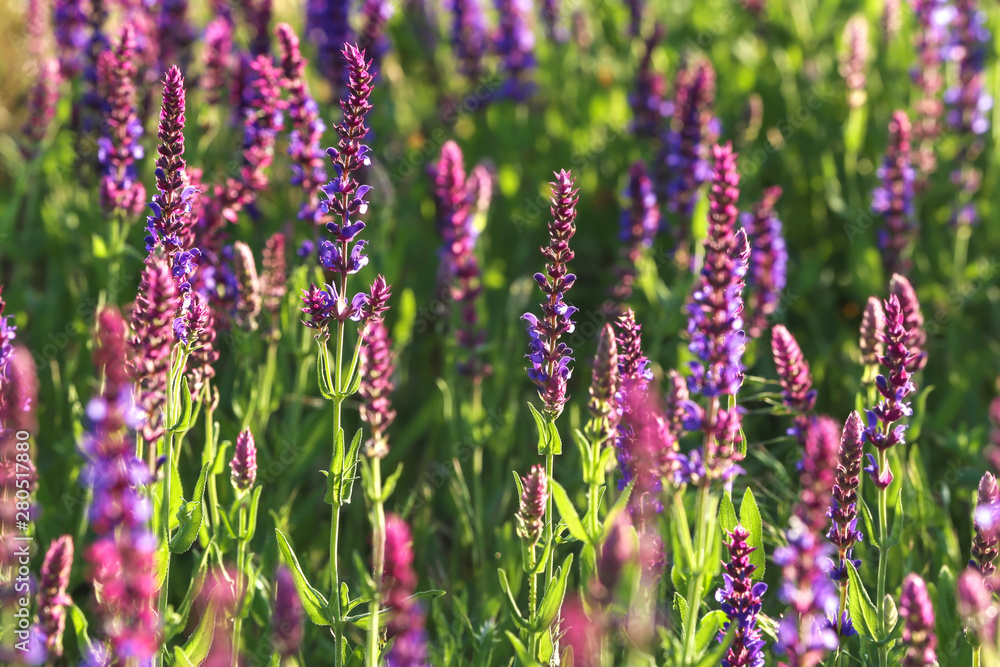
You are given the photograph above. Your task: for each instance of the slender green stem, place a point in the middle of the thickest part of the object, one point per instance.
(883, 562)
(549, 521)
(695, 582)
(378, 547)
(976, 656)
(211, 446)
(241, 547)
(335, 521)
(532, 602)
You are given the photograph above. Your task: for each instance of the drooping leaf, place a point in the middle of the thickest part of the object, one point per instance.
(312, 600)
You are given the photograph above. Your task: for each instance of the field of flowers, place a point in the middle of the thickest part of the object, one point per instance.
(513, 332)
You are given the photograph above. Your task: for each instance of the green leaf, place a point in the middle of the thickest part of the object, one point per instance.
(860, 605)
(350, 462)
(714, 657)
(750, 518)
(363, 621)
(432, 594)
(568, 513)
(708, 630)
(98, 247)
(553, 598)
(191, 516)
(541, 424)
(183, 422)
(355, 383)
(323, 372)
(80, 627)
(511, 603)
(252, 523)
(312, 600)
(555, 441)
(727, 514)
(390, 483)
(198, 644)
(681, 607)
(524, 657)
(869, 522)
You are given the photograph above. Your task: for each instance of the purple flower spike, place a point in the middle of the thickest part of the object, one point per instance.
(648, 101)
(768, 260)
(913, 320)
(244, 462)
(604, 386)
(893, 387)
(69, 23)
(928, 76)
(531, 511)
(968, 102)
(328, 27)
(805, 634)
(166, 226)
(987, 527)
(176, 34)
(872, 331)
(716, 311)
(218, 59)
(119, 148)
(151, 341)
(373, 39)
(796, 380)
(854, 60)
(549, 357)
(819, 466)
(640, 221)
(288, 622)
(378, 364)
(469, 36)
(741, 601)
(308, 170)
(844, 533)
(686, 157)
(274, 277)
(248, 301)
(200, 322)
(123, 557)
(514, 42)
(52, 596)
(42, 101)
(917, 613)
(893, 199)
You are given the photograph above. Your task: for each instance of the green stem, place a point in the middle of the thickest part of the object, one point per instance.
(241, 547)
(883, 561)
(335, 521)
(378, 547)
(976, 657)
(211, 446)
(695, 583)
(549, 518)
(961, 255)
(532, 603)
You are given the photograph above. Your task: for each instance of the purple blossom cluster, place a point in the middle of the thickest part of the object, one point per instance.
(640, 221)
(843, 532)
(288, 622)
(686, 155)
(796, 381)
(378, 364)
(372, 39)
(123, 555)
(741, 601)
(768, 261)
(217, 59)
(893, 199)
(986, 524)
(514, 43)
(243, 465)
(648, 98)
(52, 596)
(399, 581)
(917, 612)
(928, 75)
(328, 27)
(119, 148)
(817, 473)
(549, 357)
(469, 36)
(968, 102)
(531, 506)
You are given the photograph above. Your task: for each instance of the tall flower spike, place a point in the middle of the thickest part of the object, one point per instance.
(648, 101)
(987, 527)
(913, 320)
(844, 531)
(469, 36)
(406, 623)
(893, 199)
(716, 309)
(378, 364)
(796, 380)
(741, 601)
(854, 60)
(685, 160)
(675, 402)
(308, 170)
(42, 101)
(52, 597)
(119, 148)
(514, 42)
(248, 300)
(274, 277)
(244, 462)
(218, 59)
(549, 357)
(123, 557)
(152, 339)
(768, 260)
(894, 386)
(328, 27)
(604, 385)
(968, 101)
(531, 511)
(69, 24)
(872, 331)
(917, 612)
(288, 622)
(819, 465)
(640, 221)
(201, 362)
(345, 196)
(928, 76)
(977, 606)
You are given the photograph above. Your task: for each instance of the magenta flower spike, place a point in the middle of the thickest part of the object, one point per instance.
(796, 380)
(288, 621)
(399, 582)
(42, 101)
(818, 472)
(917, 613)
(274, 274)
(913, 320)
(854, 60)
(768, 261)
(550, 358)
(986, 523)
(378, 364)
(872, 332)
(52, 596)
(244, 462)
(843, 532)
(741, 601)
(217, 64)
